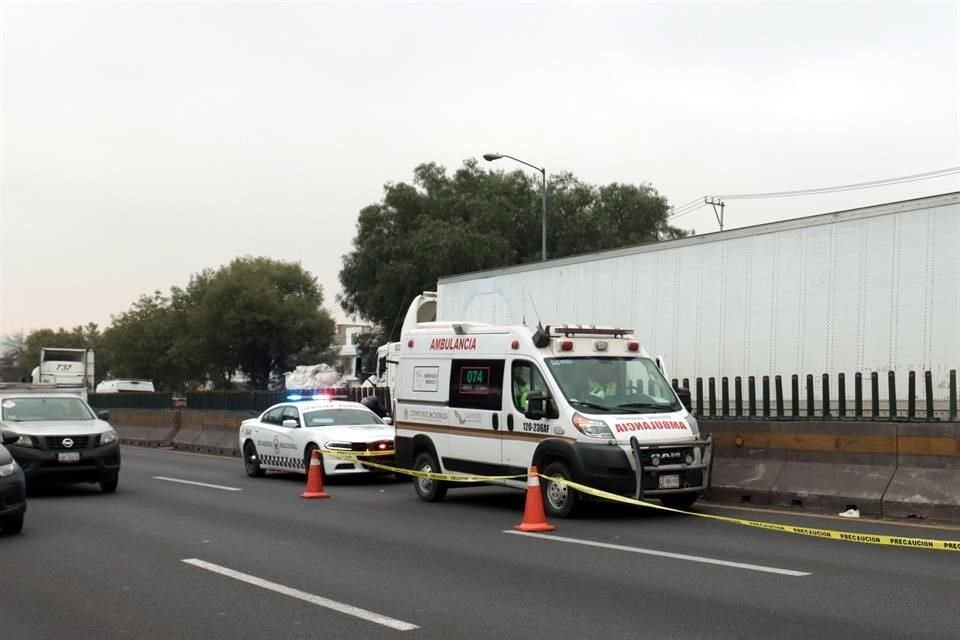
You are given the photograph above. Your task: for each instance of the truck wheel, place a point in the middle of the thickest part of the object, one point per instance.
(427, 489)
(559, 500)
(13, 525)
(110, 485)
(251, 461)
(680, 501)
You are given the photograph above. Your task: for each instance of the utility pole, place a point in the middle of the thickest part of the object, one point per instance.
(716, 202)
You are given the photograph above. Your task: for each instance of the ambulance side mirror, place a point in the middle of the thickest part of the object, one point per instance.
(684, 394)
(539, 406)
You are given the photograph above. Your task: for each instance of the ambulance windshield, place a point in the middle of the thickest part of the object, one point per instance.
(613, 384)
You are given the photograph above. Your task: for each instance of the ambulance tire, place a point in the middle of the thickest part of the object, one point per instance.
(559, 501)
(428, 490)
(682, 501)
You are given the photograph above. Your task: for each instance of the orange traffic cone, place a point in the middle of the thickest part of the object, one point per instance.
(315, 478)
(534, 519)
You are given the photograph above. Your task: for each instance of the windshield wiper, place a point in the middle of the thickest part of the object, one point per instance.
(591, 405)
(646, 405)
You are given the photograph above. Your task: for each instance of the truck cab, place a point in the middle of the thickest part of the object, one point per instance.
(65, 366)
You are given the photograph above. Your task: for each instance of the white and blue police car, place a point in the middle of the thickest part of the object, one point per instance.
(284, 437)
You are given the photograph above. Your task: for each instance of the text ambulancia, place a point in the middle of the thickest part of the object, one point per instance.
(583, 403)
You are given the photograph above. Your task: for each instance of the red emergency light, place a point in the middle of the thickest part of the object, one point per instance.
(566, 345)
(633, 346)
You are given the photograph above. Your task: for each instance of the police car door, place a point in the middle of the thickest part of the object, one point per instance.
(522, 435)
(275, 443)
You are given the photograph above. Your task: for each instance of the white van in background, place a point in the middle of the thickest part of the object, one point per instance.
(124, 385)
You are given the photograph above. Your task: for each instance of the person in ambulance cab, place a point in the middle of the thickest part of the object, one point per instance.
(600, 381)
(521, 386)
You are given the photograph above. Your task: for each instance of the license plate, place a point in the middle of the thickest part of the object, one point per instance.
(69, 456)
(670, 481)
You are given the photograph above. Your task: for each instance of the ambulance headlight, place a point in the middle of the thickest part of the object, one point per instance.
(694, 427)
(592, 428)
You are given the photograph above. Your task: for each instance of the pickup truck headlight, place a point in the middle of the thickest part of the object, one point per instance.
(592, 428)
(7, 470)
(108, 437)
(25, 441)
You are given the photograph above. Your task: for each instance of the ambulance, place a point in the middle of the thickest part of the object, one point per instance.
(582, 403)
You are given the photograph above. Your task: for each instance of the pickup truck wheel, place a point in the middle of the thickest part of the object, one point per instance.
(251, 461)
(13, 525)
(110, 485)
(559, 500)
(427, 489)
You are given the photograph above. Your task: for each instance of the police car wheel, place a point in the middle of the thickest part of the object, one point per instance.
(13, 525)
(308, 454)
(427, 489)
(251, 462)
(559, 500)
(679, 500)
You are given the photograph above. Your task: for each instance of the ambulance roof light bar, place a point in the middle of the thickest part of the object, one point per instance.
(572, 331)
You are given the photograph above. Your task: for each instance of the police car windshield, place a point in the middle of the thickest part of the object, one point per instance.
(613, 384)
(43, 409)
(339, 418)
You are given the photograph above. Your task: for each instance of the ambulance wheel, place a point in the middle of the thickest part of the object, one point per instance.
(682, 501)
(427, 489)
(559, 500)
(251, 462)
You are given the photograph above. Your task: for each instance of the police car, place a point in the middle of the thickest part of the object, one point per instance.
(284, 437)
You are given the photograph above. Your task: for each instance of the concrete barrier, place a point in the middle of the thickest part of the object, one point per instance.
(927, 481)
(210, 432)
(144, 427)
(831, 466)
(745, 466)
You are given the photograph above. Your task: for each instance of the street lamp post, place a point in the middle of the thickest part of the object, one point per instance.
(490, 157)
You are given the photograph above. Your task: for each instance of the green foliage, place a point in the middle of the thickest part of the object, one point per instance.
(478, 219)
(259, 316)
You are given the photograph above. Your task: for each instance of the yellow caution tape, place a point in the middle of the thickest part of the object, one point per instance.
(447, 477)
(827, 534)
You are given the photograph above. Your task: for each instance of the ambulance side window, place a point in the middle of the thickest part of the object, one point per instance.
(477, 384)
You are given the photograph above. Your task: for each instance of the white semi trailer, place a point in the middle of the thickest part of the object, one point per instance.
(874, 289)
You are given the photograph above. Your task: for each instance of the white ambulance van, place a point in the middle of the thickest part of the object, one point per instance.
(583, 403)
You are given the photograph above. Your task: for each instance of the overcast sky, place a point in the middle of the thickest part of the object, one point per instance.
(145, 142)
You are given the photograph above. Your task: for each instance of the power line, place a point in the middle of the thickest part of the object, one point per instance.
(846, 187)
(696, 208)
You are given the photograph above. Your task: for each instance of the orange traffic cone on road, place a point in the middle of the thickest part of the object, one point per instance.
(315, 478)
(534, 519)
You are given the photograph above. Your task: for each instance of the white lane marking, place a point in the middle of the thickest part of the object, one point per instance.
(197, 484)
(350, 610)
(663, 554)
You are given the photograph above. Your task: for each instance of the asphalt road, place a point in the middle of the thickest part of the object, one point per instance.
(375, 562)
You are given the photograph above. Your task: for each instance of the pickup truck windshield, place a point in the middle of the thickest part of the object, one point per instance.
(43, 409)
(613, 384)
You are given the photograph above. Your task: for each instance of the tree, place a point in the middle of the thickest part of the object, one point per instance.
(479, 219)
(152, 341)
(258, 316)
